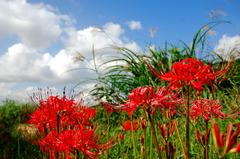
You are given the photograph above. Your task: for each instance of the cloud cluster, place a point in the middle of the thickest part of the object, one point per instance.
(134, 25)
(37, 26)
(228, 46)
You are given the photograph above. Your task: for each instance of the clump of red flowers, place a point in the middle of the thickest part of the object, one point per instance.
(128, 126)
(206, 108)
(65, 129)
(146, 98)
(194, 73)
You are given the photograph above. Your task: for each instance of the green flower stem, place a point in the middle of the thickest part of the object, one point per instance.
(133, 139)
(198, 149)
(180, 139)
(145, 148)
(128, 147)
(151, 145)
(154, 134)
(187, 125)
(120, 142)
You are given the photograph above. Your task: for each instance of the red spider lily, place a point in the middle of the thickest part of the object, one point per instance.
(171, 113)
(170, 150)
(109, 110)
(121, 137)
(60, 110)
(141, 96)
(143, 123)
(63, 128)
(238, 127)
(142, 139)
(166, 131)
(205, 138)
(222, 148)
(206, 108)
(81, 139)
(128, 126)
(192, 72)
(146, 98)
(167, 101)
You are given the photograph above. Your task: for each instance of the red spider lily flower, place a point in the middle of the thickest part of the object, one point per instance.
(142, 139)
(143, 123)
(167, 101)
(109, 110)
(197, 135)
(222, 148)
(205, 138)
(60, 110)
(81, 115)
(238, 127)
(128, 126)
(166, 131)
(141, 96)
(192, 72)
(149, 100)
(121, 137)
(207, 109)
(70, 141)
(171, 113)
(145, 97)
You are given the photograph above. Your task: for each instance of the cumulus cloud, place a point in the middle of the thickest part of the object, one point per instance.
(23, 64)
(101, 38)
(134, 25)
(228, 46)
(37, 25)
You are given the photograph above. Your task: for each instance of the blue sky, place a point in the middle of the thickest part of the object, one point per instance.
(39, 37)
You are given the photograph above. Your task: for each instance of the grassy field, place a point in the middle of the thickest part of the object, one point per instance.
(14, 145)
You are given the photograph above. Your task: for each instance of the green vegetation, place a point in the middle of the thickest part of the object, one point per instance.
(13, 143)
(116, 83)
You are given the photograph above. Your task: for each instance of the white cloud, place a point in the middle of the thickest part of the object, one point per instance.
(134, 25)
(228, 46)
(22, 64)
(37, 25)
(110, 34)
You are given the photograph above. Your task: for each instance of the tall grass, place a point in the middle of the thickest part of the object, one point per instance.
(13, 143)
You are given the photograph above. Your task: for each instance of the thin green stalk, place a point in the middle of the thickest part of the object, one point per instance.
(121, 148)
(133, 139)
(151, 149)
(180, 139)
(18, 148)
(128, 147)
(145, 148)
(154, 134)
(187, 125)
(198, 150)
